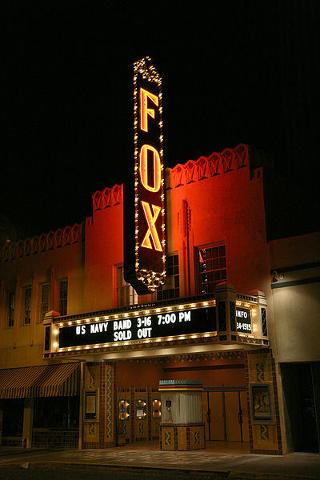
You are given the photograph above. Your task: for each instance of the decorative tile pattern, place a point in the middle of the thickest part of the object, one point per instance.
(260, 372)
(264, 432)
(109, 392)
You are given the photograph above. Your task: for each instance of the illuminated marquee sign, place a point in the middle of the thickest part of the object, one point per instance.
(145, 252)
(243, 319)
(164, 324)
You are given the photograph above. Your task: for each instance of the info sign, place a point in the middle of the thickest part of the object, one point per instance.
(148, 246)
(243, 319)
(165, 324)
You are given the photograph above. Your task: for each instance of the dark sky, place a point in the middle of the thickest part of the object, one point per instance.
(233, 72)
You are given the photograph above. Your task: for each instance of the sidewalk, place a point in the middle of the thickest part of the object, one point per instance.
(302, 466)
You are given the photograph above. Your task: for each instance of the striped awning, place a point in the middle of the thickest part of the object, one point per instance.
(40, 381)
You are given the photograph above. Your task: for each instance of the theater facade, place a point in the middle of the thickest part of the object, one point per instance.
(82, 354)
(102, 321)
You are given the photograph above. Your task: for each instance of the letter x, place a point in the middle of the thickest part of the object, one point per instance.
(152, 231)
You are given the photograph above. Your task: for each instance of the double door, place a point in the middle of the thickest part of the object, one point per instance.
(226, 415)
(138, 414)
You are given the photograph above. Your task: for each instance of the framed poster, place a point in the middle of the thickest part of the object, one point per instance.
(90, 406)
(261, 403)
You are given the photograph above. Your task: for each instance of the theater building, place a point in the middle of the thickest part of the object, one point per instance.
(83, 355)
(164, 316)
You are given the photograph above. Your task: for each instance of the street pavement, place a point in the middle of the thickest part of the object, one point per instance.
(148, 462)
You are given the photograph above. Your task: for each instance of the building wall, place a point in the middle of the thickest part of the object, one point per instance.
(103, 249)
(295, 276)
(213, 200)
(296, 293)
(210, 201)
(228, 209)
(211, 372)
(47, 258)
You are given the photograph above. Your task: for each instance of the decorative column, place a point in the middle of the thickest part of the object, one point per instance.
(261, 323)
(264, 408)
(90, 408)
(50, 332)
(107, 423)
(98, 422)
(226, 312)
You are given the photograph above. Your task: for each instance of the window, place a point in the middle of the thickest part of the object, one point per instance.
(63, 296)
(10, 309)
(126, 294)
(212, 267)
(27, 294)
(171, 287)
(44, 300)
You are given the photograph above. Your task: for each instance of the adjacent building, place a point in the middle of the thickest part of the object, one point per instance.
(295, 283)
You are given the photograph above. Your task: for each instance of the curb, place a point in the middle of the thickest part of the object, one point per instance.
(178, 471)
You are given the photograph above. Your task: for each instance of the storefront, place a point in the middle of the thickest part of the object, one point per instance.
(40, 405)
(295, 276)
(126, 353)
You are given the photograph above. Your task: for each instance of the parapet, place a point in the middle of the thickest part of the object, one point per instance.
(41, 243)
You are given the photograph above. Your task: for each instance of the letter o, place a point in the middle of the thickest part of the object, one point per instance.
(144, 168)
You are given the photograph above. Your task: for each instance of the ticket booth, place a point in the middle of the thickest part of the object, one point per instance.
(182, 426)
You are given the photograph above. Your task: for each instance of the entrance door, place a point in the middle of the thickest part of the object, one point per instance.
(227, 416)
(141, 415)
(244, 416)
(138, 414)
(155, 414)
(124, 416)
(216, 416)
(301, 385)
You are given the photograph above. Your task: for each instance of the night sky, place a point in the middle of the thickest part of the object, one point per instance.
(233, 72)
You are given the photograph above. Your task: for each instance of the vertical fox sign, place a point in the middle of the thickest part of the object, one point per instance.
(144, 207)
